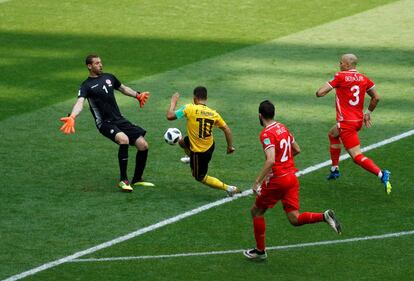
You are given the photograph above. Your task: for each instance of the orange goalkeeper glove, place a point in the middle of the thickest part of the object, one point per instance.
(142, 98)
(69, 126)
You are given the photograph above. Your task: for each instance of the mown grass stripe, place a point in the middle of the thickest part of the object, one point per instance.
(177, 218)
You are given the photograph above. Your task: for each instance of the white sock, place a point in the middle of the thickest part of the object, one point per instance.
(380, 174)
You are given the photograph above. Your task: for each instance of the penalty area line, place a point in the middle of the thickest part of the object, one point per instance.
(182, 216)
(226, 252)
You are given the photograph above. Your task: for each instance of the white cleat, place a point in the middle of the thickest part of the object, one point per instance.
(255, 254)
(232, 190)
(330, 219)
(185, 159)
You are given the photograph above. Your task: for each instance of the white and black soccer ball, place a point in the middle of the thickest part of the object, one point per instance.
(172, 136)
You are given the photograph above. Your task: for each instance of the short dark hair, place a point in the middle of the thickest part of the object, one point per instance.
(200, 92)
(267, 109)
(88, 59)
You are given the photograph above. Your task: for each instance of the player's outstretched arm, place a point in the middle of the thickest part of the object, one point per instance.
(173, 104)
(142, 97)
(69, 122)
(324, 90)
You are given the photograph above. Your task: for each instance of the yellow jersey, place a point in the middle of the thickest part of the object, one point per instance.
(200, 122)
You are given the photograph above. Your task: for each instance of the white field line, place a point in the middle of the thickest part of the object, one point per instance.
(181, 217)
(346, 156)
(285, 247)
(3, 1)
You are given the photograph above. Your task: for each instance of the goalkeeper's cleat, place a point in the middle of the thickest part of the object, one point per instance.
(255, 254)
(385, 179)
(185, 159)
(143, 183)
(124, 186)
(333, 175)
(329, 217)
(232, 190)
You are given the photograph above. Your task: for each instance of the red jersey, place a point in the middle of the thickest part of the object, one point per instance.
(278, 136)
(351, 87)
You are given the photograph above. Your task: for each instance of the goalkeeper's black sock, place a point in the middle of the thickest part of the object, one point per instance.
(141, 161)
(123, 161)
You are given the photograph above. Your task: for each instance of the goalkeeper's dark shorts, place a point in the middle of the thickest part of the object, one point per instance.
(110, 128)
(199, 160)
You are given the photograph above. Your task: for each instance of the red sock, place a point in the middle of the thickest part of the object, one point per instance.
(335, 152)
(367, 164)
(259, 226)
(308, 217)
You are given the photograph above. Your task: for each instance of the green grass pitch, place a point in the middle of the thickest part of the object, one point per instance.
(58, 194)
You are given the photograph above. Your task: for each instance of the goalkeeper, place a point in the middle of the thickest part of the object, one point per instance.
(98, 89)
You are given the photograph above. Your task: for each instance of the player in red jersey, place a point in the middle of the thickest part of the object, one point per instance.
(277, 181)
(351, 87)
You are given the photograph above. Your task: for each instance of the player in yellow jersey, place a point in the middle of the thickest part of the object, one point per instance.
(199, 144)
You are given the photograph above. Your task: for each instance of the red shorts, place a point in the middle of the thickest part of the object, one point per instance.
(285, 188)
(348, 133)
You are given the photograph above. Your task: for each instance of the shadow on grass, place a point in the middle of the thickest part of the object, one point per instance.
(42, 69)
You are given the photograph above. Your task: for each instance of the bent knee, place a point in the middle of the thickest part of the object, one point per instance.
(141, 144)
(144, 146)
(293, 218)
(253, 211)
(294, 223)
(257, 211)
(122, 139)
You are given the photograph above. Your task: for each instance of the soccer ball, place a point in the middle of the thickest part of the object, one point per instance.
(172, 136)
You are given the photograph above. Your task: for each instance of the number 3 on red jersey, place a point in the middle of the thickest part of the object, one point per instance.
(355, 93)
(351, 87)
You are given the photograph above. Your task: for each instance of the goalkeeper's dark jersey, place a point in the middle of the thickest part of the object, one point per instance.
(100, 94)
